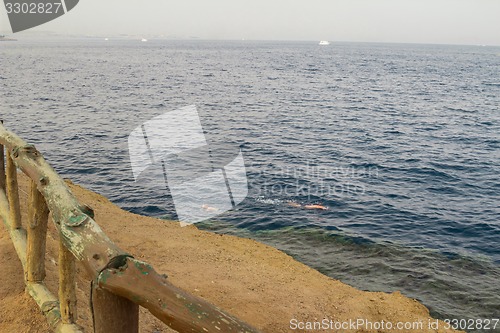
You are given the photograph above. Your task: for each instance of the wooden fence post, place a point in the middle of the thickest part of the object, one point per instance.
(2, 166)
(112, 313)
(37, 235)
(67, 287)
(13, 193)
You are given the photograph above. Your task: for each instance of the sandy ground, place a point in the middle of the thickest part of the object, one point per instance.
(252, 281)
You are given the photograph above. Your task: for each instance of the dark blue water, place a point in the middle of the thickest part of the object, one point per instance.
(400, 142)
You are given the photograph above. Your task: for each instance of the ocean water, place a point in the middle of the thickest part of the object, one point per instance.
(400, 142)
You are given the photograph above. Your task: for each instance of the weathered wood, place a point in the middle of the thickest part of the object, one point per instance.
(13, 193)
(37, 235)
(46, 301)
(81, 235)
(112, 313)
(67, 286)
(50, 308)
(183, 312)
(112, 268)
(2, 167)
(18, 236)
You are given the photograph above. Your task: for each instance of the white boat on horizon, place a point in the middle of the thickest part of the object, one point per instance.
(324, 42)
(144, 40)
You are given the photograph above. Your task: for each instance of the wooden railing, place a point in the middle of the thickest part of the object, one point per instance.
(120, 282)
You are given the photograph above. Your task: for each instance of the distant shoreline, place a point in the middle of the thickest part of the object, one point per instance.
(6, 39)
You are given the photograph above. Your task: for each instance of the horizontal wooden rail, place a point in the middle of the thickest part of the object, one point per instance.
(113, 270)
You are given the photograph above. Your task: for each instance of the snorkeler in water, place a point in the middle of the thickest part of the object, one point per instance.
(209, 208)
(294, 204)
(289, 203)
(311, 206)
(315, 206)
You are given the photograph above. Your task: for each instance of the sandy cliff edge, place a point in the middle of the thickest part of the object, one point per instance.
(257, 283)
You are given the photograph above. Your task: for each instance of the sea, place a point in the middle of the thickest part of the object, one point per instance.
(400, 142)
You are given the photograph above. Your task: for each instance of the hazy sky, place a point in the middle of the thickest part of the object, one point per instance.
(415, 21)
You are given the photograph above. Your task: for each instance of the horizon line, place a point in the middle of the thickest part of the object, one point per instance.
(49, 34)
